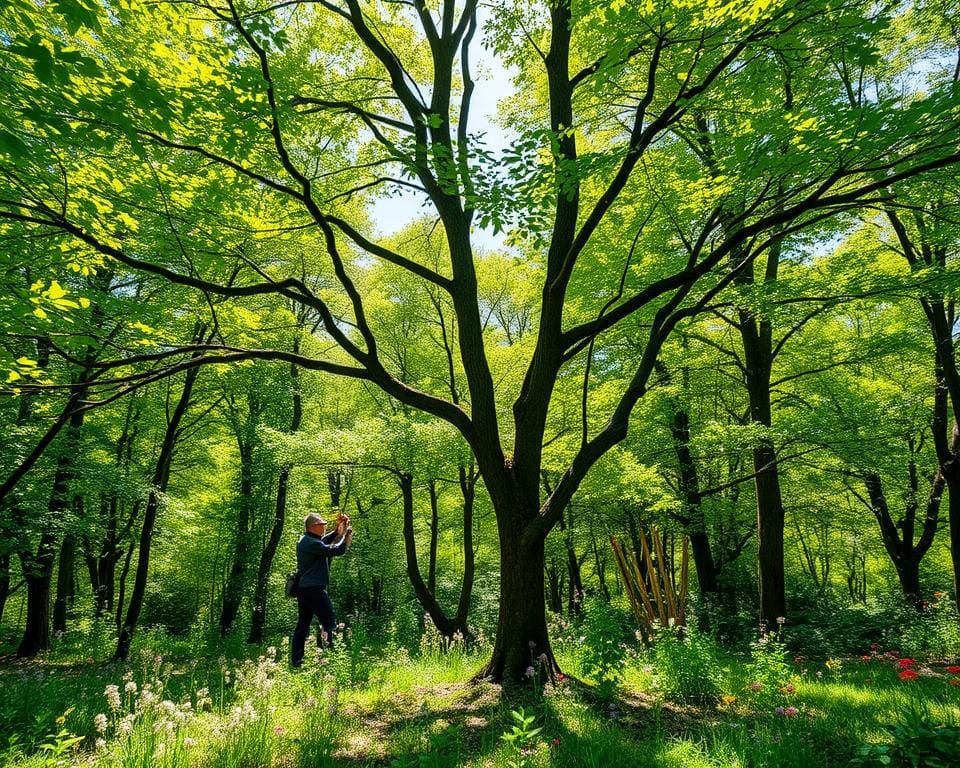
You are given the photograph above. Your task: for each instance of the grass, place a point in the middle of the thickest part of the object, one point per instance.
(381, 706)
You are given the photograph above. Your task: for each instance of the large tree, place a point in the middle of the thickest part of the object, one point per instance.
(151, 142)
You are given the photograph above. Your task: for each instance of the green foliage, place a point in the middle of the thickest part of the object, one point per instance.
(769, 668)
(602, 645)
(520, 737)
(917, 740)
(687, 665)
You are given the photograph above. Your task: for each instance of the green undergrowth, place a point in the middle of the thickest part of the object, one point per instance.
(684, 702)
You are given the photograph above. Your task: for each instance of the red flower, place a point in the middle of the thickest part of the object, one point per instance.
(556, 742)
(954, 669)
(955, 681)
(905, 663)
(908, 674)
(866, 657)
(561, 677)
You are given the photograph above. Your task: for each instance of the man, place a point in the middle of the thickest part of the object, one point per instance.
(314, 550)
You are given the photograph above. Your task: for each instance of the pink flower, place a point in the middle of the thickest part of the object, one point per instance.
(791, 711)
(278, 729)
(754, 686)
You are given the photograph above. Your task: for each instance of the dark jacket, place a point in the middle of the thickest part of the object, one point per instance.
(313, 558)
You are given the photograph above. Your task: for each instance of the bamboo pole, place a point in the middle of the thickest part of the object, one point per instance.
(665, 577)
(654, 580)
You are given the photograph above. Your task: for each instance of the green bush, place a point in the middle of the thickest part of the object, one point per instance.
(686, 665)
(603, 648)
(914, 742)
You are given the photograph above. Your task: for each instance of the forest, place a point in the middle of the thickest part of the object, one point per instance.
(623, 331)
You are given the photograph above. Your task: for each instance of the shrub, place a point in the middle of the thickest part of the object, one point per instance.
(914, 741)
(686, 665)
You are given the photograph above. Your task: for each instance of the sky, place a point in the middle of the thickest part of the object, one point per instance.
(493, 83)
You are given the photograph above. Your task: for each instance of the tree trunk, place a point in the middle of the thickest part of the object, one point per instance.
(4, 581)
(434, 536)
(258, 616)
(161, 477)
(446, 625)
(65, 582)
(692, 517)
(121, 593)
(236, 578)
(521, 626)
(37, 572)
(38, 569)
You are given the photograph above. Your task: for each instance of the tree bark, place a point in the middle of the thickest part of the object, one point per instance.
(521, 635)
(65, 582)
(258, 616)
(161, 477)
(243, 529)
(4, 581)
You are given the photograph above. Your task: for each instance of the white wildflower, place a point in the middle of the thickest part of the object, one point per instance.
(100, 723)
(112, 692)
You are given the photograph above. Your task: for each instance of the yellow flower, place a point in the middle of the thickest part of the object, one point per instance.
(728, 699)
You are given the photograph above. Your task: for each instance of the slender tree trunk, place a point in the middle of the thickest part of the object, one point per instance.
(258, 617)
(65, 582)
(4, 581)
(692, 517)
(446, 625)
(38, 568)
(161, 477)
(121, 593)
(434, 536)
(243, 530)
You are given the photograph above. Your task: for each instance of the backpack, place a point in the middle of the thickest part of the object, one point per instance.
(292, 584)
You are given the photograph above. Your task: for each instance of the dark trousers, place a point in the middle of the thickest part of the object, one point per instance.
(311, 601)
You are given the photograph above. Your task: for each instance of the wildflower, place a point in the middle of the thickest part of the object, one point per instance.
(908, 674)
(278, 729)
(125, 726)
(954, 669)
(101, 743)
(833, 664)
(788, 689)
(905, 663)
(130, 687)
(874, 647)
(781, 620)
(938, 595)
(780, 711)
(799, 659)
(955, 681)
(561, 677)
(542, 658)
(555, 742)
(530, 672)
(790, 711)
(754, 686)
(189, 742)
(112, 692)
(100, 723)
(89, 659)
(866, 657)
(728, 699)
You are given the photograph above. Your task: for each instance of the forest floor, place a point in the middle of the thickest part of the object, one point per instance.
(170, 707)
